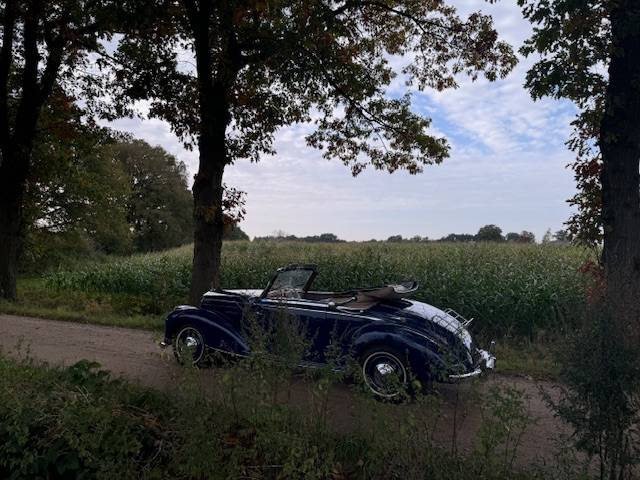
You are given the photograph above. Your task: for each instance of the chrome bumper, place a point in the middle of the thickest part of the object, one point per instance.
(487, 362)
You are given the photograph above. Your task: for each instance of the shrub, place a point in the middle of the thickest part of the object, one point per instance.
(79, 423)
(600, 371)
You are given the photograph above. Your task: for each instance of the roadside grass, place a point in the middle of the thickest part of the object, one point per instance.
(117, 309)
(77, 422)
(530, 359)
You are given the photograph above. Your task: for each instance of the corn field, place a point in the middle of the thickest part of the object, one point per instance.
(509, 289)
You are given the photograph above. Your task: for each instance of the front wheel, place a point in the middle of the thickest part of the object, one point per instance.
(384, 373)
(189, 346)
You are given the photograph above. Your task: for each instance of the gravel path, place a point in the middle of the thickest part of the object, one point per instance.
(136, 356)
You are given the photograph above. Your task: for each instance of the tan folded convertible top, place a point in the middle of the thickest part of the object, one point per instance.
(365, 298)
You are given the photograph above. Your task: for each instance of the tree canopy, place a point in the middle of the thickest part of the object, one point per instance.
(46, 46)
(159, 203)
(590, 53)
(573, 41)
(262, 65)
(489, 233)
(323, 62)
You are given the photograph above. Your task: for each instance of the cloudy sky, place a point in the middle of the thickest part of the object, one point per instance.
(507, 165)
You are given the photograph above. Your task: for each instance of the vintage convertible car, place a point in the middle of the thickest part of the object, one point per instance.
(392, 338)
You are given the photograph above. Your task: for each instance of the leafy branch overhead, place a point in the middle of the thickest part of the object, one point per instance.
(347, 67)
(573, 40)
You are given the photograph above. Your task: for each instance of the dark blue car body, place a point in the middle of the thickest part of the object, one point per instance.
(433, 344)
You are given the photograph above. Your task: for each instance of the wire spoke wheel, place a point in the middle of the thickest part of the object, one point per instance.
(384, 374)
(189, 346)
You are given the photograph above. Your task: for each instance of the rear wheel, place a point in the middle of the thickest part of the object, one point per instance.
(189, 347)
(384, 372)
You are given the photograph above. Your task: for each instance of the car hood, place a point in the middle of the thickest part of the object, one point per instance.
(439, 317)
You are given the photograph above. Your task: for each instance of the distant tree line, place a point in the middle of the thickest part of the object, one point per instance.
(284, 237)
(489, 233)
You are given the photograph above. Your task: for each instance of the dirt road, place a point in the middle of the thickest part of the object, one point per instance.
(136, 355)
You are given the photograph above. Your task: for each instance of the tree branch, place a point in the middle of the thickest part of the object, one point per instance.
(364, 112)
(27, 111)
(6, 53)
(419, 22)
(54, 60)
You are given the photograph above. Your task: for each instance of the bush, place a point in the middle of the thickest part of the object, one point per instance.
(601, 394)
(79, 423)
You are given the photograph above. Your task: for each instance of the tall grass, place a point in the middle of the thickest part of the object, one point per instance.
(508, 288)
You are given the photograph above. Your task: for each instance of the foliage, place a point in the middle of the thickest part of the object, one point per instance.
(113, 309)
(512, 237)
(235, 233)
(273, 64)
(458, 237)
(46, 48)
(76, 193)
(509, 289)
(522, 237)
(562, 236)
(600, 371)
(96, 191)
(282, 236)
(77, 423)
(489, 233)
(159, 206)
(573, 40)
(80, 423)
(505, 420)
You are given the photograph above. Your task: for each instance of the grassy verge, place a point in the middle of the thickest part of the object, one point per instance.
(121, 310)
(79, 423)
(524, 358)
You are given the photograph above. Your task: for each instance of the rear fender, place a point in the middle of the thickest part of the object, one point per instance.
(218, 332)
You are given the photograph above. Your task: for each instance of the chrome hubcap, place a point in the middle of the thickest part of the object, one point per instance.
(190, 345)
(384, 374)
(385, 368)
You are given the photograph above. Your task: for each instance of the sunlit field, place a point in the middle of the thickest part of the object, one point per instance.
(509, 289)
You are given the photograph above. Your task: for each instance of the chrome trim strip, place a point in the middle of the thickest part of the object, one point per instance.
(285, 303)
(475, 373)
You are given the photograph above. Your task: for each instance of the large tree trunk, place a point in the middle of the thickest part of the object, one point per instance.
(12, 184)
(207, 191)
(11, 241)
(214, 93)
(208, 225)
(620, 147)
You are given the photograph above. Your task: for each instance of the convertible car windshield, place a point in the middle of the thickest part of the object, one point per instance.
(291, 282)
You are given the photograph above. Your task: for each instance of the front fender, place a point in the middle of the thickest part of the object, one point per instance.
(218, 332)
(422, 353)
